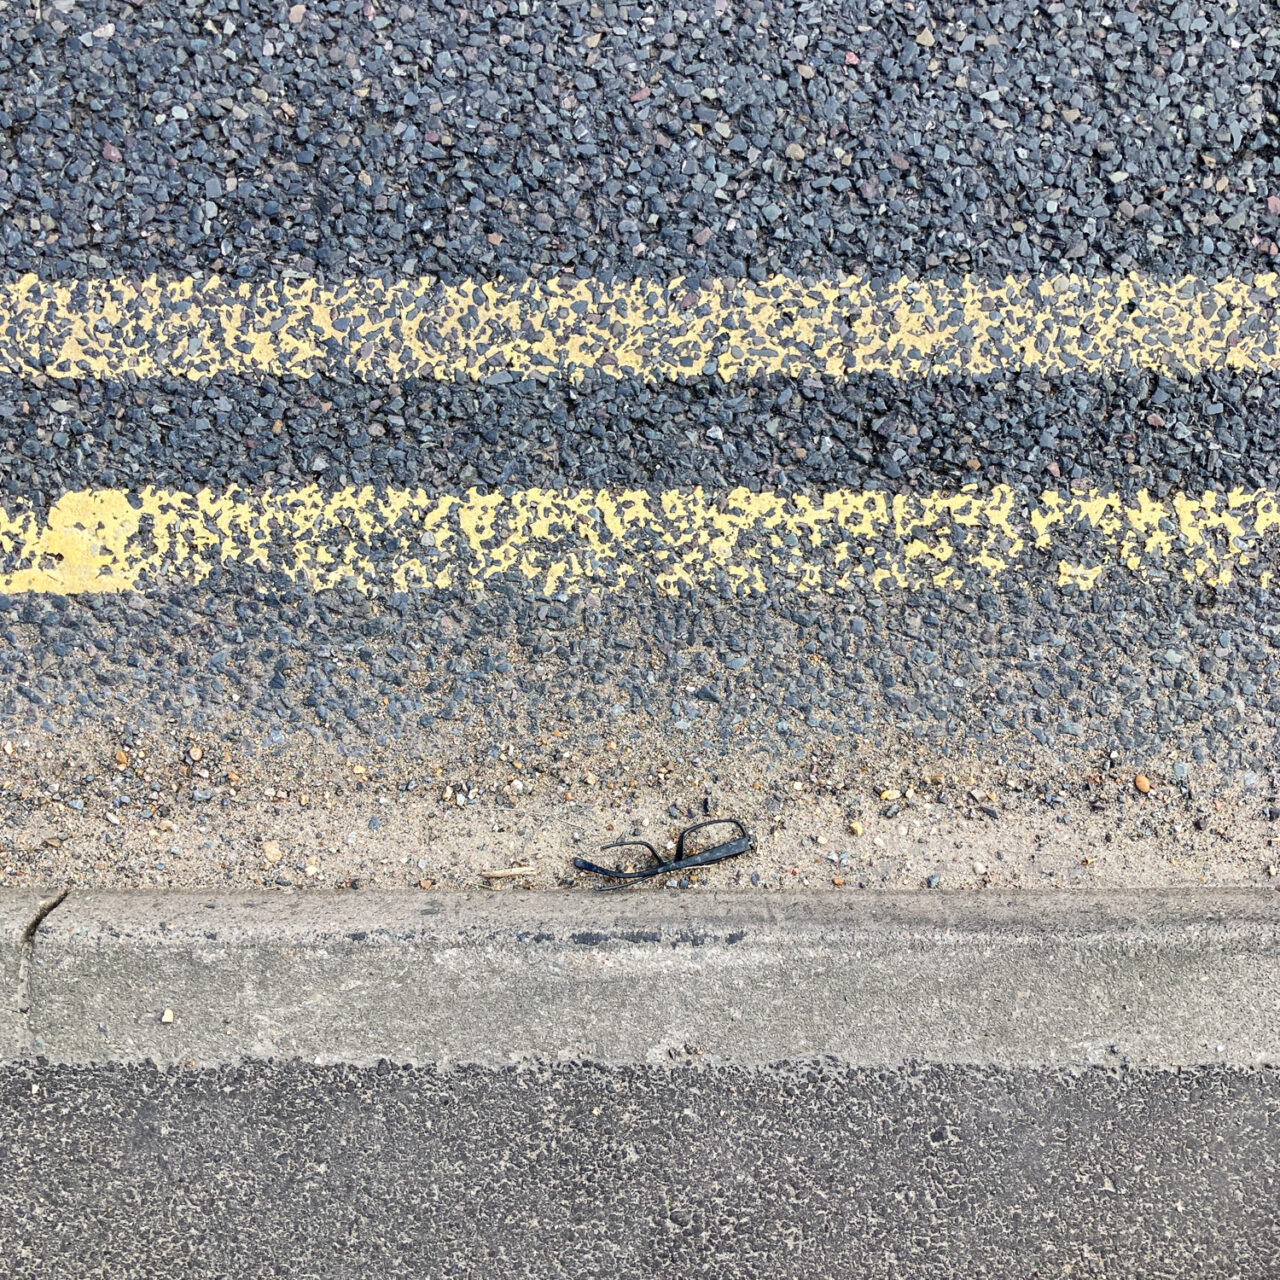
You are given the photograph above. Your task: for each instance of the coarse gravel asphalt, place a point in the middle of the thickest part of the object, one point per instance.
(247, 728)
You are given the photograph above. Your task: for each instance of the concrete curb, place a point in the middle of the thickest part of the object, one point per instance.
(1068, 980)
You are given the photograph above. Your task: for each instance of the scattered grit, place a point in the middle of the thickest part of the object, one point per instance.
(169, 811)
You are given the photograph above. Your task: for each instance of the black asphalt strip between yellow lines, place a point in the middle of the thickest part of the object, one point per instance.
(1113, 433)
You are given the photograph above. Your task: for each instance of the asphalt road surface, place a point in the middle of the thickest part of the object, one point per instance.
(434, 438)
(584, 1170)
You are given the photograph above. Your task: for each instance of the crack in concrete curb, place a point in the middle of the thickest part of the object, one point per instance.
(26, 953)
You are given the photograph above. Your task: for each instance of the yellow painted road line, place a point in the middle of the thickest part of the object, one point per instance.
(374, 329)
(108, 540)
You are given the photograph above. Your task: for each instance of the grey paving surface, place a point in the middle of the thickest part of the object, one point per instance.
(1027, 980)
(795, 1171)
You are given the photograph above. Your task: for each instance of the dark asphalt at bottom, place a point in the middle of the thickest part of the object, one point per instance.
(585, 1170)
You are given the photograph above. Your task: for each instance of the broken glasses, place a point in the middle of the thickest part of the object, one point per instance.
(743, 842)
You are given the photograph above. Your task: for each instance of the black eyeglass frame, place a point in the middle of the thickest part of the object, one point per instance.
(743, 842)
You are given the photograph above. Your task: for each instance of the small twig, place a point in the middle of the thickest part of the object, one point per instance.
(507, 872)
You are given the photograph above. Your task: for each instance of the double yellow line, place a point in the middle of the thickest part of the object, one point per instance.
(680, 328)
(112, 541)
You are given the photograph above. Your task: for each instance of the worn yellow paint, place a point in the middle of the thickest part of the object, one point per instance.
(545, 540)
(678, 328)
